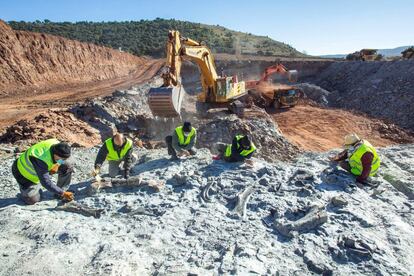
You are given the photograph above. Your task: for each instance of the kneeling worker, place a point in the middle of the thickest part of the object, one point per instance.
(182, 141)
(359, 158)
(35, 166)
(239, 150)
(116, 150)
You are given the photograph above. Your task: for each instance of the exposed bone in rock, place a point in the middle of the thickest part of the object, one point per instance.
(357, 249)
(76, 207)
(315, 217)
(205, 192)
(135, 181)
(241, 201)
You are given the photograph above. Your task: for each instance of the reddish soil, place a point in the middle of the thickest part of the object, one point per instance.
(39, 72)
(318, 129)
(26, 105)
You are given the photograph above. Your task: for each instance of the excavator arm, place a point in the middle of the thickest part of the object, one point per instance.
(278, 69)
(165, 101)
(274, 69)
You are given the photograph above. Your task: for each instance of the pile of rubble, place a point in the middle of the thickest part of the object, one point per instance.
(128, 112)
(123, 110)
(379, 89)
(271, 144)
(59, 124)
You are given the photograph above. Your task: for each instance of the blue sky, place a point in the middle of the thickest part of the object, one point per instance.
(316, 26)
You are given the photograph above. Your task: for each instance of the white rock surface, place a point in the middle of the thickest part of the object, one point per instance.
(180, 234)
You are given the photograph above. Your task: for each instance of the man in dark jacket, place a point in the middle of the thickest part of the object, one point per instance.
(239, 150)
(116, 150)
(35, 165)
(182, 141)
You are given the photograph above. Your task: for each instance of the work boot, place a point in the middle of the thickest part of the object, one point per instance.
(174, 157)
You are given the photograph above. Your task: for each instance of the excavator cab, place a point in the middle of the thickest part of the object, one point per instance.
(229, 88)
(166, 101)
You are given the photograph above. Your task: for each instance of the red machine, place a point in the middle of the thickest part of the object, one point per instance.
(279, 69)
(266, 94)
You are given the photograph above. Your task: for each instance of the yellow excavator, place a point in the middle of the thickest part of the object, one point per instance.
(165, 101)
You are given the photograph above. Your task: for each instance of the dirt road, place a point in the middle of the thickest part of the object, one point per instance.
(318, 129)
(27, 104)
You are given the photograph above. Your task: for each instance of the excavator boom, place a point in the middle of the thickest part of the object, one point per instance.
(165, 101)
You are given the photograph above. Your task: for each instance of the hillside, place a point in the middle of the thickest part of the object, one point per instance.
(37, 60)
(147, 37)
(394, 52)
(39, 72)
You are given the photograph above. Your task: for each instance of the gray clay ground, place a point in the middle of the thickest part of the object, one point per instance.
(175, 232)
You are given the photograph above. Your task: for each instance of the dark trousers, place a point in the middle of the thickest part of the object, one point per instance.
(170, 148)
(30, 192)
(345, 165)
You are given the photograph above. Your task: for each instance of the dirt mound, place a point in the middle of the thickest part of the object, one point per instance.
(58, 124)
(39, 71)
(34, 61)
(319, 129)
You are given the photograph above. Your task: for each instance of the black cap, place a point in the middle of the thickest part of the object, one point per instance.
(245, 141)
(187, 127)
(62, 149)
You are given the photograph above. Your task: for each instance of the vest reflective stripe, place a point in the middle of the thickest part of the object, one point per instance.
(181, 139)
(355, 159)
(112, 154)
(40, 151)
(243, 152)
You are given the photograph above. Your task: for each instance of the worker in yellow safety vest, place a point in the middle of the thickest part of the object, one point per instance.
(240, 149)
(36, 164)
(118, 151)
(359, 158)
(182, 141)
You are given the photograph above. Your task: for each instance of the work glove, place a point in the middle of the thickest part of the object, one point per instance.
(68, 196)
(216, 157)
(54, 169)
(96, 171)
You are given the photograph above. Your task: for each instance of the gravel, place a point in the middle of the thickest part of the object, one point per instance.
(382, 89)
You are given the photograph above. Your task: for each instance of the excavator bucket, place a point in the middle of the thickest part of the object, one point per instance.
(293, 75)
(166, 102)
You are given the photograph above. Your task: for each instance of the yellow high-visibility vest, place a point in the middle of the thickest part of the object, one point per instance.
(355, 159)
(112, 154)
(41, 151)
(243, 152)
(181, 139)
